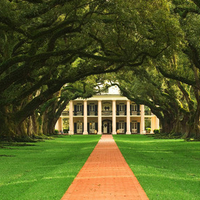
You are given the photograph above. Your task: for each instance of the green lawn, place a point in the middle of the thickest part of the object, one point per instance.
(167, 169)
(42, 170)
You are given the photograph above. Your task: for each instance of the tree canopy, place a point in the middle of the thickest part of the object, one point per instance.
(169, 84)
(48, 47)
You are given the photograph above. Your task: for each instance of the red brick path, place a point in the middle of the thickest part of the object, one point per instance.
(105, 176)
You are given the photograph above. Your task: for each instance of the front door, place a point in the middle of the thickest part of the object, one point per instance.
(107, 125)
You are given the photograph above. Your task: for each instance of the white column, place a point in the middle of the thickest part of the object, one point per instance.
(154, 123)
(114, 117)
(99, 118)
(128, 121)
(142, 126)
(71, 121)
(157, 123)
(60, 125)
(56, 126)
(85, 132)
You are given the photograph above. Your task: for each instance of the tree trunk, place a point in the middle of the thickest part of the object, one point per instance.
(49, 122)
(194, 127)
(171, 126)
(7, 125)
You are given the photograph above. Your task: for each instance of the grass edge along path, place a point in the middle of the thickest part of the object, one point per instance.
(42, 170)
(167, 169)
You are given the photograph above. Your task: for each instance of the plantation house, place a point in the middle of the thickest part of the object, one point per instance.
(108, 113)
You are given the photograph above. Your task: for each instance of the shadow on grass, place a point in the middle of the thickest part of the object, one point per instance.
(7, 156)
(7, 145)
(60, 136)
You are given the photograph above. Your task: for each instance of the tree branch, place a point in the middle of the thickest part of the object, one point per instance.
(176, 77)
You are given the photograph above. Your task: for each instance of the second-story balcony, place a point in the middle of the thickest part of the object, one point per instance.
(105, 113)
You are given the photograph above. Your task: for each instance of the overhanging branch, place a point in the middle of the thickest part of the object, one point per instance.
(175, 77)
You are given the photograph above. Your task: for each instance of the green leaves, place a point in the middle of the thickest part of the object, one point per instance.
(45, 45)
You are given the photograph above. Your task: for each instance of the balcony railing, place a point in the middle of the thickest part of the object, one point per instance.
(131, 112)
(65, 113)
(121, 113)
(135, 112)
(107, 113)
(92, 113)
(78, 113)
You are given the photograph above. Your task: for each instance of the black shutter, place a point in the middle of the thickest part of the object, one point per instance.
(117, 109)
(125, 109)
(88, 127)
(82, 109)
(131, 107)
(138, 127)
(96, 108)
(88, 110)
(75, 128)
(83, 127)
(96, 126)
(125, 127)
(74, 110)
(138, 109)
(117, 125)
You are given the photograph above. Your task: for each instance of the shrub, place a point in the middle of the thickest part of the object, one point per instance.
(156, 131)
(65, 130)
(148, 130)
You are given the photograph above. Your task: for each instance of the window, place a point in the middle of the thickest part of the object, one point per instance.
(92, 125)
(121, 125)
(134, 127)
(121, 107)
(79, 127)
(92, 107)
(107, 106)
(79, 107)
(133, 107)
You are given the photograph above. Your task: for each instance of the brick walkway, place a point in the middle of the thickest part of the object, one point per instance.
(105, 176)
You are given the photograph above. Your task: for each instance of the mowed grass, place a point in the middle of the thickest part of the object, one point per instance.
(42, 170)
(167, 169)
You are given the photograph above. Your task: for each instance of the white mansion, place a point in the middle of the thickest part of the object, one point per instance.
(108, 113)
